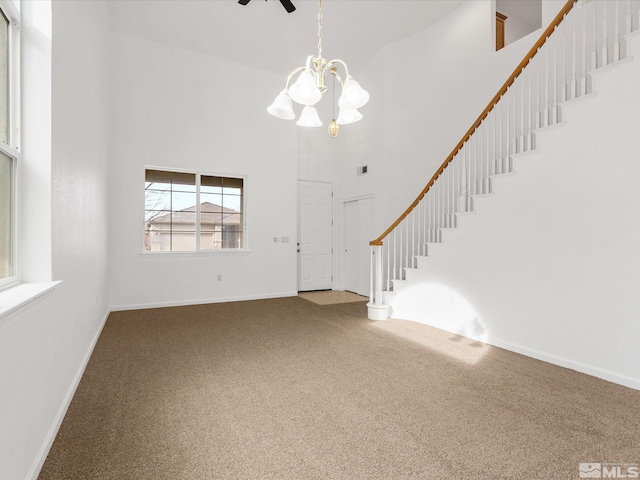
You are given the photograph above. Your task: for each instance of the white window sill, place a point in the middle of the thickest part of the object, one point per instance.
(201, 253)
(14, 298)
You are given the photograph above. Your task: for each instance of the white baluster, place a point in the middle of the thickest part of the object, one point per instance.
(503, 121)
(530, 108)
(605, 55)
(616, 33)
(387, 246)
(536, 109)
(485, 155)
(405, 246)
(629, 18)
(493, 133)
(554, 79)
(545, 111)
(574, 63)
(594, 48)
(463, 202)
(396, 235)
(565, 83)
(522, 145)
(585, 68)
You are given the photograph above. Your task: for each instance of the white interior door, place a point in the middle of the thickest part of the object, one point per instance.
(315, 220)
(358, 232)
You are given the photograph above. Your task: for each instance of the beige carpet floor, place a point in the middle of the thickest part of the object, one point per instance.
(332, 297)
(287, 389)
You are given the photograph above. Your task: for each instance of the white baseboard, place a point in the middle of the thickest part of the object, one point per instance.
(540, 355)
(182, 303)
(38, 462)
(571, 364)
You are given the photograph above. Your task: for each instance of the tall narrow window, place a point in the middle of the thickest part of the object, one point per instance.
(186, 212)
(6, 216)
(4, 78)
(9, 155)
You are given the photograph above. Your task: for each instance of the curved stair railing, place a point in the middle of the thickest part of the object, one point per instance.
(556, 69)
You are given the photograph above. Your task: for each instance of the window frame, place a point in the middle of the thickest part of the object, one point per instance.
(198, 251)
(11, 148)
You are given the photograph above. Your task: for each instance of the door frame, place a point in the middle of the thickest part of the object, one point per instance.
(332, 235)
(341, 260)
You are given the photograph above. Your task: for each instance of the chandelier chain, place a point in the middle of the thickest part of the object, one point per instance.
(319, 28)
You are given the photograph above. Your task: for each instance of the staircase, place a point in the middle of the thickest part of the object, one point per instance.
(528, 237)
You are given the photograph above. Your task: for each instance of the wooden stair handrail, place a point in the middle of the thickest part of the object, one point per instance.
(541, 41)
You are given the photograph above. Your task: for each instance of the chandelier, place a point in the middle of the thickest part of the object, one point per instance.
(310, 86)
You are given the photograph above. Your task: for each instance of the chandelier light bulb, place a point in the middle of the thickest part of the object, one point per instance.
(353, 95)
(348, 115)
(282, 107)
(309, 117)
(304, 91)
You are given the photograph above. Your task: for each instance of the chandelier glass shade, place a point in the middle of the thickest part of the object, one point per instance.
(310, 85)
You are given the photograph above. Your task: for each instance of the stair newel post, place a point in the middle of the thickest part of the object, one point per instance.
(377, 310)
(373, 274)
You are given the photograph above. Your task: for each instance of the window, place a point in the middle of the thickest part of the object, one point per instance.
(9, 156)
(189, 212)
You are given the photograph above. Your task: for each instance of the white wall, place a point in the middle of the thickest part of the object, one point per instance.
(174, 108)
(549, 266)
(43, 347)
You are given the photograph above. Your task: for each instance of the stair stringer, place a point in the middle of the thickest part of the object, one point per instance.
(549, 266)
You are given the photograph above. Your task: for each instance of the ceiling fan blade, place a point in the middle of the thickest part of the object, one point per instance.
(288, 5)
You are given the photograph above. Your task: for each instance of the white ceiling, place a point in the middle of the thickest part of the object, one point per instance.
(263, 35)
